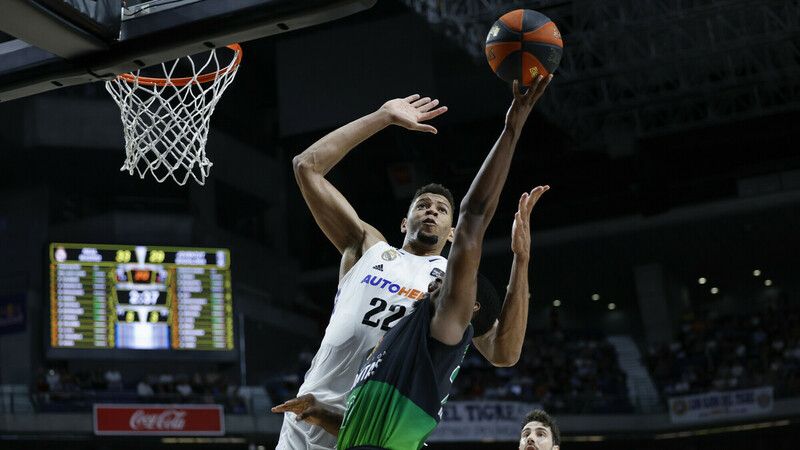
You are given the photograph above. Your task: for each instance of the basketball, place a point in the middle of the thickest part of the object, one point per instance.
(523, 44)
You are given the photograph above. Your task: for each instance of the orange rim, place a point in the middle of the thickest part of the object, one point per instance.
(205, 78)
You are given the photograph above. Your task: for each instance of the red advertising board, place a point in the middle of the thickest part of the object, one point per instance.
(177, 420)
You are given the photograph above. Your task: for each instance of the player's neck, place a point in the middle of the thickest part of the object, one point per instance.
(419, 249)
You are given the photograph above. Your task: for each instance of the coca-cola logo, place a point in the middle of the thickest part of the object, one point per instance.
(169, 419)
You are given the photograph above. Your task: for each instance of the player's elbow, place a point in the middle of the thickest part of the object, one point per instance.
(300, 165)
(470, 231)
(471, 206)
(475, 214)
(304, 170)
(506, 358)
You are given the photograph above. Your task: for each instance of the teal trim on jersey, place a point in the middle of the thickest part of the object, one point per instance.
(379, 415)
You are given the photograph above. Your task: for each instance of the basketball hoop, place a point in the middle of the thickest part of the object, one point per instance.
(166, 120)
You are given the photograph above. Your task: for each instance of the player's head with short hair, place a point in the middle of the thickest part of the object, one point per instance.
(429, 220)
(438, 189)
(489, 304)
(539, 431)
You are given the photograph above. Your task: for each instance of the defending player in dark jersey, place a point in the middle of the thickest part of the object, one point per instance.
(406, 377)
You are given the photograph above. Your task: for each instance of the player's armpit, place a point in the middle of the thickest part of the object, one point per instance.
(485, 343)
(351, 255)
(455, 300)
(447, 331)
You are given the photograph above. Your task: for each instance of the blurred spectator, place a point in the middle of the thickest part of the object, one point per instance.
(113, 379)
(53, 380)
(144, 390)
(184, 389)
(166, 383)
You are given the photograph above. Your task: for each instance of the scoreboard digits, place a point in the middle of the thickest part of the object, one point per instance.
(140, 297)
(123, 256)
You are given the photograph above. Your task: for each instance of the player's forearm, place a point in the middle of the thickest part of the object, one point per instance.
(484, 193)
(477, 210)
(507, 344)
(321, 156)
(331, 419)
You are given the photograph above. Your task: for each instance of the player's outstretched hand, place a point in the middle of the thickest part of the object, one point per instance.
(306, 407)
(523, 103)
(521, 230)
(411, 111)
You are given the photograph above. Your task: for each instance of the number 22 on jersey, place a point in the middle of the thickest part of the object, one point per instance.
(380, 306)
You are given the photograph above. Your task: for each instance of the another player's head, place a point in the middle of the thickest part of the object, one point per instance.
(487, 307)
(429, 220)
(539, 432)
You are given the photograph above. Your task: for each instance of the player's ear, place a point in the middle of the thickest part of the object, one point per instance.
(403, 227)
(451, 235)
(556, 447)
(476, 307)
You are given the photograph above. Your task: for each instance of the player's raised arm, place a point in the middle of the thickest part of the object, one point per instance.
(333, 213)
(502, 345)
(454, 312)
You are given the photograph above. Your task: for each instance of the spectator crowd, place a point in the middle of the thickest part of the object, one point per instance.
(714, 352)
(565, 372)
(58, 389)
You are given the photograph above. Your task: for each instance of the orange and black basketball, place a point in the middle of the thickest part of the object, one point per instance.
(523, 44)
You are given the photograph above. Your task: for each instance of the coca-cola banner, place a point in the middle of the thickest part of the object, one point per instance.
(183, 420)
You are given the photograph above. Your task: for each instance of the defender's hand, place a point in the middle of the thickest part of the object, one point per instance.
(521, 230)
(306, 407)
(523, 103)
(411, 111)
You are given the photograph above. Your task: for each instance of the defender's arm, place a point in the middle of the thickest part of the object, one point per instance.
(502, 345)
(454, 312)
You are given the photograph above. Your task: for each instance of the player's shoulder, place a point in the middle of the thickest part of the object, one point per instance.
(390, 254)
(380, 249)
(352, 263)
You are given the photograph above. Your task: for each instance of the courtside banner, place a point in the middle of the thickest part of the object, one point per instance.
(177, 420)
(480, 420)
(720, 405)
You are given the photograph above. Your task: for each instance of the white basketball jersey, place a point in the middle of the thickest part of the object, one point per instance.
(378, 291)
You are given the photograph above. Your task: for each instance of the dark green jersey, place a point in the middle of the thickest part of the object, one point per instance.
(397, 396)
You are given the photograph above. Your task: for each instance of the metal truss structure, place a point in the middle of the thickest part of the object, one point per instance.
(641, 68)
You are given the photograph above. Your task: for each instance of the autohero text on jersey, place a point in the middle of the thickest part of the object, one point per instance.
(394, 288)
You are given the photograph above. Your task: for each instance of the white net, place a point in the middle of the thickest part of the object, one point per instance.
(166, 120)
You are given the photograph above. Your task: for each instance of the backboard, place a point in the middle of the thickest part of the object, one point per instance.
(45, 45)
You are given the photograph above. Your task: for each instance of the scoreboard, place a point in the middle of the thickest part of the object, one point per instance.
(140, 298)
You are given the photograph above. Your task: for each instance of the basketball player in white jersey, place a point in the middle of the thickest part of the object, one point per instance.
(379, 283)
